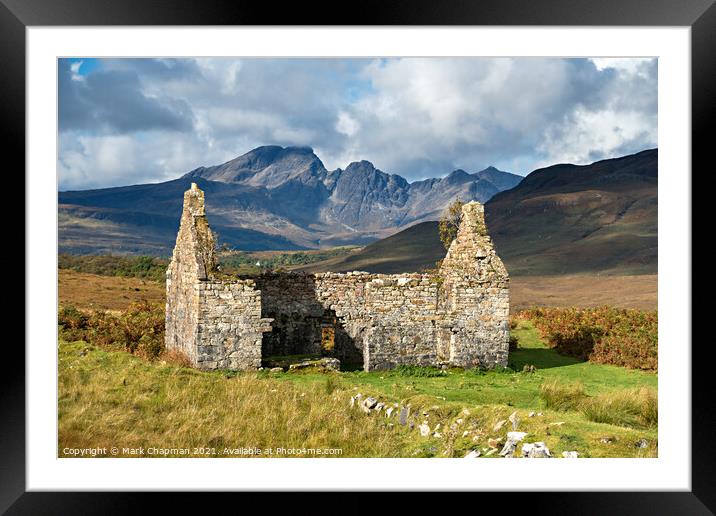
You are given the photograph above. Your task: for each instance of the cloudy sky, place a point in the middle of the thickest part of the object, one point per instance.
(129, 121)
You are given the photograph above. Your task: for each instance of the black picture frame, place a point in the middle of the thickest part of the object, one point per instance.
(700, 15)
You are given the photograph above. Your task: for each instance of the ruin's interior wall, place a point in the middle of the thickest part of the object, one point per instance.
(354, 304)
(290, 300)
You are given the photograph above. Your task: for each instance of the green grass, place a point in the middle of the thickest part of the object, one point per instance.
(108, 397)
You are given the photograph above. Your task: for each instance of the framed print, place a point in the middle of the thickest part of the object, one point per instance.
(384, 256)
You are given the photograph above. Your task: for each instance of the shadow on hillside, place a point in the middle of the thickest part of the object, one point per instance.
(540, 358)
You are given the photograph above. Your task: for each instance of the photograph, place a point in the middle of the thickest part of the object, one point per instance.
(358, 257)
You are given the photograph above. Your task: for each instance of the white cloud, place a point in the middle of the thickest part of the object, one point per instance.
(593, 135)
(346, 124)
(75, 69)
(627, 64)
(417, 117)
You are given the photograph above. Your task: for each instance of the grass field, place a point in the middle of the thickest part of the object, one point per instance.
(115, 399)
(91, 291)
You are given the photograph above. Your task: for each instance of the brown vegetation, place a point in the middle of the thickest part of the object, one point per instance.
(139, 329)
(113, 293)
(606, 335)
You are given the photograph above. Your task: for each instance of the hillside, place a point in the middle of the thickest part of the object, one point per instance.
(412, 249)
(564, 219)
(270, 198)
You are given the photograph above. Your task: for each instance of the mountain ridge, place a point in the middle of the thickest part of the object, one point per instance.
(287, 192)
(562, 219)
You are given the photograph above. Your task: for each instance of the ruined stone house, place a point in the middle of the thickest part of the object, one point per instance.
(457, 316)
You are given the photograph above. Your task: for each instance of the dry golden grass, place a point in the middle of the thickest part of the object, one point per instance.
(94, 292)
(639, 292)
(114, 399)
(117, 400)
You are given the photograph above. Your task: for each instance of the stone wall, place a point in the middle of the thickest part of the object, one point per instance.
(216, 323)
(458, 316)
(475, 293)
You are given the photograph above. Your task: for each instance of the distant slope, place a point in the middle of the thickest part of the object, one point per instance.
(564, 219)
(413, 249)
(570, 219)
(269, 198)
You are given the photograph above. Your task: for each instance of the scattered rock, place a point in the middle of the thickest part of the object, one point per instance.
(514, 419)
(494, 443)
(465, 412)
(516, 436)
(424, 430)
(379, 406)
(509, 449)
(459, 421)
(472, 455)
(276, 370)
(368, 404)
(531, 414)
(570, 454)
(326, 363)
(539, 414)
(606, 440)
(389, 412)
(404, 413)
(536, 450)
(466, 433)
(498, 426)
(642, 443)
(510, 446)
(559, 423)
(490, 452)
(437, 434)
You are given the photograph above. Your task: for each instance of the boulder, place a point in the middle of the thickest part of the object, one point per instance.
(424, 430)
(472, 455)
